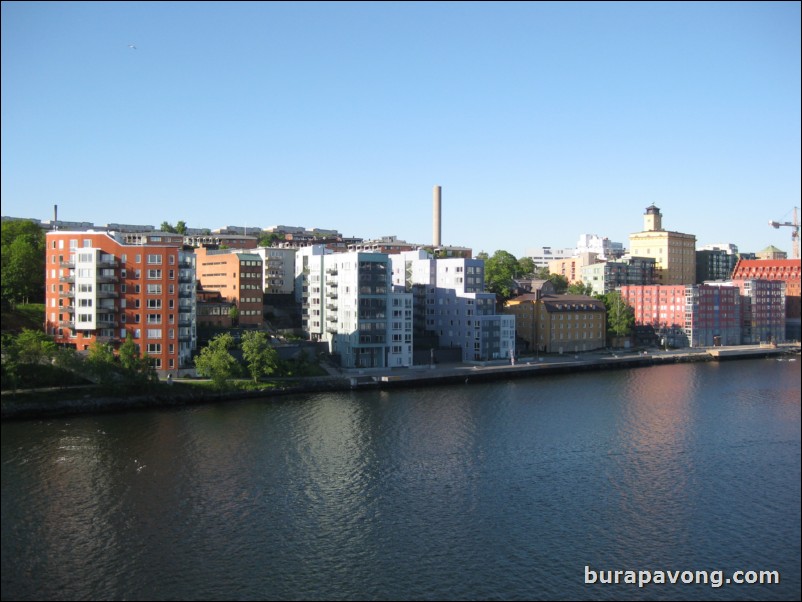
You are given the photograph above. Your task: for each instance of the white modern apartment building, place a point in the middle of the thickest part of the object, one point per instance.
(451, 304)
(347, 300)
(279, 269)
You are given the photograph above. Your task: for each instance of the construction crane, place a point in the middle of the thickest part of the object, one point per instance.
(794, 234)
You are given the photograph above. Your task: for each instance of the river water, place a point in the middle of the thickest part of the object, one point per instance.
(514, 490)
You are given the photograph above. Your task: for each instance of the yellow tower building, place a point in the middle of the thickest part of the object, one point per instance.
(674, 252)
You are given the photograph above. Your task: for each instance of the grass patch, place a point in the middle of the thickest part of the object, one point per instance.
(30, 315)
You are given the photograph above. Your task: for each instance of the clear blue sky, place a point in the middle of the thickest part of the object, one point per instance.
(540, 121)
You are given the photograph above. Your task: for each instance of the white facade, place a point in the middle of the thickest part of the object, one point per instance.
(603, 247)
(543, 255)
(449, 294)
(278, 277)
(348, 301)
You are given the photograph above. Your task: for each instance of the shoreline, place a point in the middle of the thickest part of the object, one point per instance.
(416, 376)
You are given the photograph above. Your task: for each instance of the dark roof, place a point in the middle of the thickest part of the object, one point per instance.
(572, 303)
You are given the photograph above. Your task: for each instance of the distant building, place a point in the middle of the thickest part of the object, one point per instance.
(603, 247)
(608, 276)
(221, 240)
(541, 256)
(674, 252)
(385, 244)
(278, 277)
(571, 267)
(715, 262)
(237, 276)
(213, 311)
(772, 252)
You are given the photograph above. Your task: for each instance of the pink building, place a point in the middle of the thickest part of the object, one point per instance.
(763, 310)
(700, 315)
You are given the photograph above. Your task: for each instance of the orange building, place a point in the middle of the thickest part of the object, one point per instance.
(99, 288)
(237, 276)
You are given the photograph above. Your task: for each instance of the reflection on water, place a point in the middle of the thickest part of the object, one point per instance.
(481, 491)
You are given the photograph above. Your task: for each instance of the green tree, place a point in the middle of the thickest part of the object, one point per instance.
(620, 315)
(260, 357)
(23, 262)
(10, 361)
(34, 346)
(580, 288)
(526, 266)
(101, 365)
(233, 313)
(267, 240)
(167, 227)
(500, 269)
(542, 273)
(216, 362)
(181, 227)
(136, 367)
(560, 283)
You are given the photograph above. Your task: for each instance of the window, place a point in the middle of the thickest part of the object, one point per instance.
(154, 274)
(154, 333)
(155, 259)
(154, 289)
(154, 303)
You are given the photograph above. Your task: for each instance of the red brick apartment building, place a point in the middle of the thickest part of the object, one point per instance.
(786, 270)
(100, 288)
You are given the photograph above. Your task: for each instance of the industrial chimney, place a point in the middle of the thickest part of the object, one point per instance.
(55, 217)
(436, 217)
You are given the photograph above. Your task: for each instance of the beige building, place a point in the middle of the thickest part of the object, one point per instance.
(571, 267)
(674, 252)
(559, 323)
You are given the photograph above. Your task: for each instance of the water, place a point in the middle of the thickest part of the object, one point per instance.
(482, 491)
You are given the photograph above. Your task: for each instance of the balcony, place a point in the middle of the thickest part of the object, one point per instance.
(108, 294)
(331, 318)
(67, 279)
(69, 294)
(106, 278)
(331, 294)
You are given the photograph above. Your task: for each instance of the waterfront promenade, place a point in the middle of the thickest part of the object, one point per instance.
(556, 364)
(386, 378)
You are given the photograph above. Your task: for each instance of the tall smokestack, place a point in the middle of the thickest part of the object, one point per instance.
(436, 217)
(55, 217)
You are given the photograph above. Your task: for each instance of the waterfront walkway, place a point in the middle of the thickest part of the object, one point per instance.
(554, 364)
